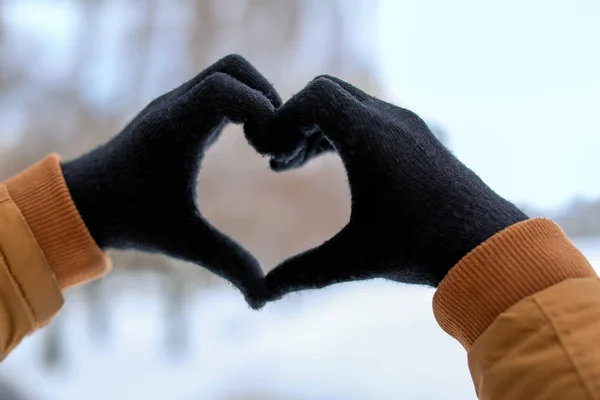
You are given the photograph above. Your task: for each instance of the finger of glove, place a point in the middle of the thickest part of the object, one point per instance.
(322, 108)
(314, 146)
(374, 103)
(337, 260)
(240, 69)
(352, 90)
(221, 95)
(205, 245)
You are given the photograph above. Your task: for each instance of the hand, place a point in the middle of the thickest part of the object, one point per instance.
(138, 190)
(416, 209)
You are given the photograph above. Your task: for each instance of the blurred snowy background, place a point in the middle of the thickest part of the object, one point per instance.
(511, 87)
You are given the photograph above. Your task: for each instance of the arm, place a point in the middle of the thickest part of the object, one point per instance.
(137, 191)
(515, 292)
(45, 248)
(525, 305)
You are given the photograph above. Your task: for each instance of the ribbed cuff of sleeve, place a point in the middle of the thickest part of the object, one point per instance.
(515, 263)
(43, 197)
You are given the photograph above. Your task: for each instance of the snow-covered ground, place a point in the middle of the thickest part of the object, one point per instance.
(370, 340)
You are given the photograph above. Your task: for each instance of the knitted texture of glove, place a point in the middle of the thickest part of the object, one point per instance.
(416, 209)
(138, 191)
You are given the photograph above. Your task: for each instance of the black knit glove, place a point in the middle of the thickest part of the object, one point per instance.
(138, 190)
(416, 209)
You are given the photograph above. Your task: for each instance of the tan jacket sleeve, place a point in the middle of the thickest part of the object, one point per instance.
(526, 306)
(44, 248)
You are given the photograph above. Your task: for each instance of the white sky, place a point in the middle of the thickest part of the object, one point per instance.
(516, 84)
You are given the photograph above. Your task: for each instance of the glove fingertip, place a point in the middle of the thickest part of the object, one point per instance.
(255, 292)
(277, 165)
(280, 165)
(256, 303)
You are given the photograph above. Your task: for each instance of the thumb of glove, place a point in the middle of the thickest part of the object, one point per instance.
(336, 260)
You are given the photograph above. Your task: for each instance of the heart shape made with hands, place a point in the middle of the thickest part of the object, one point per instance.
(415, 209)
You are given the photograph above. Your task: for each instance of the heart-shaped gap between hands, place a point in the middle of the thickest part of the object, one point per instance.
(274, 216)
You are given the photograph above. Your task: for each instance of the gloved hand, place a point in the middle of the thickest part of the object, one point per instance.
(138, 190)
(416, 209)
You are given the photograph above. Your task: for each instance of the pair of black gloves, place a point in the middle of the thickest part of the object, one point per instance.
(416, 209)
